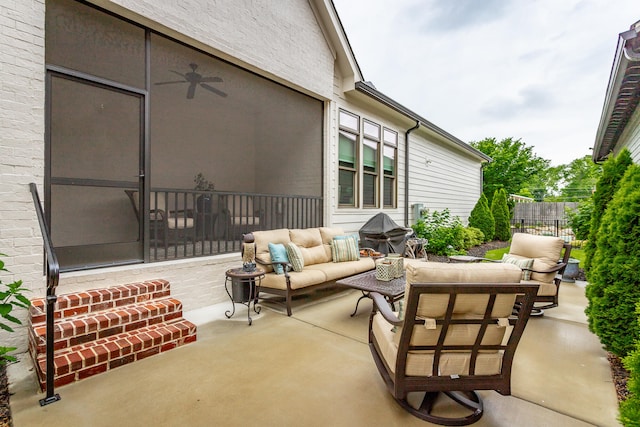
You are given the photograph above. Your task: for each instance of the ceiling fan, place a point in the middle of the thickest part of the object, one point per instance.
(194, 79)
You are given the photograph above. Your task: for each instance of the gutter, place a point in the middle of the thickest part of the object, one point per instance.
(406, 173)
(619, 101)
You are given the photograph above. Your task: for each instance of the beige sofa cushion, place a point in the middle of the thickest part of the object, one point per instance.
(310, 243)
(545, 250)
(328, 233)
(262, 240)
(467, 305)
(335, 271)
(420, 363)
(302, 279)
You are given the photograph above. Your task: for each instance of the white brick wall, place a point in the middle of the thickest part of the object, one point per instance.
(21, 145)
(281, 38)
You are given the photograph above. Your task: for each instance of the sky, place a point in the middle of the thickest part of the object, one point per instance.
(534, 70)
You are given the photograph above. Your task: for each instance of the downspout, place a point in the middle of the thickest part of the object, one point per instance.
(406, 173)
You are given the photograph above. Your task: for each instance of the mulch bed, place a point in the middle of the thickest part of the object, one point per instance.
(5, 409)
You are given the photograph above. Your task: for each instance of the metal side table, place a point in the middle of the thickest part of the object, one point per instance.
(245, 289)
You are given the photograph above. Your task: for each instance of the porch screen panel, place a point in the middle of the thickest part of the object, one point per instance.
(95, 143)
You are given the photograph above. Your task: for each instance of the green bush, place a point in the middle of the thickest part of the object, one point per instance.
(630, 408)
(580, 219)
(471, 237)
(501, 217)
(614, 283)
(444, 232)
(482, 218)
(612, 171)
(10, 297)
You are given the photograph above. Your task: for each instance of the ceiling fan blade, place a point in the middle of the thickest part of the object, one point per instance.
(180, 74)
(191, 91)
(213, 89)
(169, 83)
(211, 79)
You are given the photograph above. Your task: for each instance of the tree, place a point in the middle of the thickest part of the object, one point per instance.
(614, 284)
(482, 218)
(513, 165)
(580, 178)
(612, 171)
(500, 212)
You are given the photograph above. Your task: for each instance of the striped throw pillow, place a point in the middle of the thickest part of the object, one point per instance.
(523, 263)
(295, 256)
(345, 250)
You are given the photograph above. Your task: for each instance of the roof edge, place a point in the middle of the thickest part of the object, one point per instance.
(384, 99)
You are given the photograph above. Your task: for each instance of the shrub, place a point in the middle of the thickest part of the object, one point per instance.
(501, 217)
(630, 408)
(443, 231)
(580, 219)
(10, 297)
(612, 171)
(614, 284)
(471, 237)
(482, 218)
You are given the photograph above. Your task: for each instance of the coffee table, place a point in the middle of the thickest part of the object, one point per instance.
(366, 282)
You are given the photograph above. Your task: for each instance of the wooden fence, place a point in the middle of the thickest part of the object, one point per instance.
(544, 218)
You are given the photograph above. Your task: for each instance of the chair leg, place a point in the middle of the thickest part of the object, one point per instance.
(469, 400)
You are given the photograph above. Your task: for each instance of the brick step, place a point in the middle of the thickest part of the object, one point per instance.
(71, 331)
(73, 304)
(91, 358)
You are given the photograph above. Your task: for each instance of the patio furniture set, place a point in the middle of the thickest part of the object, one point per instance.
(458, 323)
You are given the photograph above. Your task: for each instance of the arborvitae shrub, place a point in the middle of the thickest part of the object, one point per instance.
(614, 284)
(482, 218)
(500, 212)
(612, 171)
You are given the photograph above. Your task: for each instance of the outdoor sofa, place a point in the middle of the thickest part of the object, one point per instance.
(314, 258)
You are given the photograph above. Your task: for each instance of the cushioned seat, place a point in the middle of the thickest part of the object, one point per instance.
(458, 336)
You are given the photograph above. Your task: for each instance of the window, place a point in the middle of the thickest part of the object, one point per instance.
(389, 166)
(348, 159)
(370, 161)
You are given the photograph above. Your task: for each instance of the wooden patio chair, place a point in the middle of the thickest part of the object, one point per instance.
(458, 336)
(166, 225)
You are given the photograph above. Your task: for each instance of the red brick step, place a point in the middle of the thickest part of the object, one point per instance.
(75, 330)
(99, 299)
(101, 329)
(91, 358)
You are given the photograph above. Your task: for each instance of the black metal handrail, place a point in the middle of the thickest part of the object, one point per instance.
(53, 275)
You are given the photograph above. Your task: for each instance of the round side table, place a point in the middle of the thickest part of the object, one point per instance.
(245, 289)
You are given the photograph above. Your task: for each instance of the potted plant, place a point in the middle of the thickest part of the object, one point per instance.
(204, 205)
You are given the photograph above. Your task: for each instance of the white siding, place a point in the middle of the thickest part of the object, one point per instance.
(442, 177)
(630, 138)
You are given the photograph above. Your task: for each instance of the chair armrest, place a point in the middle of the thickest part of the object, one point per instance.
(383, 306)
(287, 267)
(556, 268)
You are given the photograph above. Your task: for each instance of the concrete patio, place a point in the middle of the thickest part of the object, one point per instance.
(315, 369)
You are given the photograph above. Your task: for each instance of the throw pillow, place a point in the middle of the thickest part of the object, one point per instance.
(345, 250)
(348, 236)
(278, 253)
(523, 263)
(295, 256)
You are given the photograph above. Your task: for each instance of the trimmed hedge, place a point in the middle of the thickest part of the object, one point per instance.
(500, 212)
(613, 170)
(482, 218)
(614, 283)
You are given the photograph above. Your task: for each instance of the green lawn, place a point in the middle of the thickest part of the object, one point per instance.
(497, 254)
